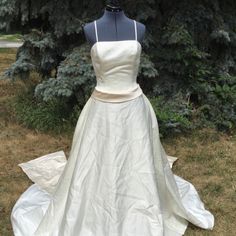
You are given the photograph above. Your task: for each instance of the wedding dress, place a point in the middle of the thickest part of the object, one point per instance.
(117, 180)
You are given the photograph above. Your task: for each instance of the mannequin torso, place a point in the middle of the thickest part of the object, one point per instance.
(113, 26)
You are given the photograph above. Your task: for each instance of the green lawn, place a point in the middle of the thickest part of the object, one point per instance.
(11, 37)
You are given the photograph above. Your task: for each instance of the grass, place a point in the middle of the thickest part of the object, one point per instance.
(206, 159)
(11, 37)
(7, 56)
(18, 144)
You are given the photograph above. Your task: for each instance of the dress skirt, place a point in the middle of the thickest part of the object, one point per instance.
(117, 180)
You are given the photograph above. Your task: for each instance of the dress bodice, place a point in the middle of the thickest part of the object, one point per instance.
(116, 64)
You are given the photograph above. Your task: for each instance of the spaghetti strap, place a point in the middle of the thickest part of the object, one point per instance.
(135, 28)
(96, 32)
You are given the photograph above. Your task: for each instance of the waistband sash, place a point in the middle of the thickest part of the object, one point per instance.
(116, 97)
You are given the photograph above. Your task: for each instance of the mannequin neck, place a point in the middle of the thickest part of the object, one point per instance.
(111, 15)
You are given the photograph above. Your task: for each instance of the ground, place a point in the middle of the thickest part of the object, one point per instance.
(206, 159)
(10, 40)
(11, 37)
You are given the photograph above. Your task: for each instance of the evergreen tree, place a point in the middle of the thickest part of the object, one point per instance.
(189, 49)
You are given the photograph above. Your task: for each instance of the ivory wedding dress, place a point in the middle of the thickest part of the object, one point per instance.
(117, 180)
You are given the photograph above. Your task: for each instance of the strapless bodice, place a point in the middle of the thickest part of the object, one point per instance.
(116, 65)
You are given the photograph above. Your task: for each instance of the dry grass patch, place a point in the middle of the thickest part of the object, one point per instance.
(207, 159)
(19, 144)
(7, 56)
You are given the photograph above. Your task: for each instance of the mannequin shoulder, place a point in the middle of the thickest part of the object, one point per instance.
(141, 27)
(88, 26)
(141, 30)
(87, 29)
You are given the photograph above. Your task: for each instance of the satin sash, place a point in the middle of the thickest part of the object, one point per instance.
(116, 97)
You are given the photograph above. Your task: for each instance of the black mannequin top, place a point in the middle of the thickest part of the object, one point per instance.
(113, 26)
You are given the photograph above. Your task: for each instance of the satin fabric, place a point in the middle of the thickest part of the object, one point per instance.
(122, 97)
(116, 65)
(117, 180)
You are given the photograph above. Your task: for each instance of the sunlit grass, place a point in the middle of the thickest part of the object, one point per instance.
(11, 37)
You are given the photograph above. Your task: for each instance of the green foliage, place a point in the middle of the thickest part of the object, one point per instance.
(189, 48)
(7, 12)
(38, 53)
(220, 103)
(181, 58)
(221, 37)
(55, 115)
(176, 35)
(60, 17)
(173, 115)
(75, 77)
(147, 68)
(212, 92)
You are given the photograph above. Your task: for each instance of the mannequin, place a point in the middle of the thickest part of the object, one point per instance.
(113, 25)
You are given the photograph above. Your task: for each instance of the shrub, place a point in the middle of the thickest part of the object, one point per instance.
(56, 115)
(173, 115)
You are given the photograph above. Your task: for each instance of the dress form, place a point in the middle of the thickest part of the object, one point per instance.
(113, 26)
